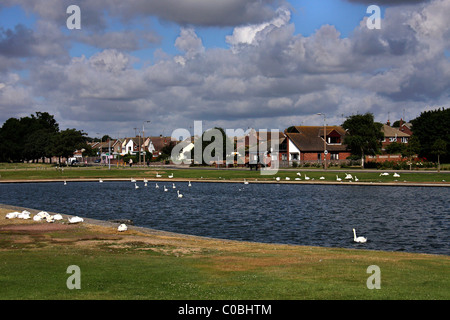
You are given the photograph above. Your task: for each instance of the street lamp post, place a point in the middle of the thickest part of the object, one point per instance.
(324, 140)
(143, 136)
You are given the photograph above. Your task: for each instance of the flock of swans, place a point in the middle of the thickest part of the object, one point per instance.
(41, 216)
(348, 177)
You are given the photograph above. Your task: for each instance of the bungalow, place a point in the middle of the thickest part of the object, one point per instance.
(157, 144)
(309, 144)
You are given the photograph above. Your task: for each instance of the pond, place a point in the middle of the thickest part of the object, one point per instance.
(412, 219)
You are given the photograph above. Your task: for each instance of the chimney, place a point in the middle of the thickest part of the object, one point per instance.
(401, 122)
(388, 123)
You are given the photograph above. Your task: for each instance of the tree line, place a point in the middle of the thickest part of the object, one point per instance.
(36, 137)
(430, 138)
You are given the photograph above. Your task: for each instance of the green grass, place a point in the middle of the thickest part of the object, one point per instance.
(49, 172)
(136, 270)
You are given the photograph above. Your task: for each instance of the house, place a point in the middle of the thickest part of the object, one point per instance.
(259, 146)
(132, 145)
(308, 144)
(392, 134)
(157, 144)
(183, 150)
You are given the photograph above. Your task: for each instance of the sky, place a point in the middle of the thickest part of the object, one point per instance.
(235, 64)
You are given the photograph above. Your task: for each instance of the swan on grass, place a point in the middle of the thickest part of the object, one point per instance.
(338, 179)
(358, 239)
(396, 175)
(75, 219)
(322, 178)
(348, 176)
(158, 175)
(133, 180)
(306, 177)
(170, 176)
(356, 179)
(122, 227)
(12, 215)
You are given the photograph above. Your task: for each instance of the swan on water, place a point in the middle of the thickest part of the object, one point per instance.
(136, 186)
(65, 183)
(122, 227)
(179, 194)
(189, 184)
(100, 180)
(156, 186)
(133, 180)
(245, 181)
(75, 219)
(173, 186)
(358, 239)
(165, 189)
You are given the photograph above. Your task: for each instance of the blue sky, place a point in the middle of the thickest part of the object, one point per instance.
(235, 64)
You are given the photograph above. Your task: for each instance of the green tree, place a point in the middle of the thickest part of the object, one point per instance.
(215, 150)
(439, 148)
(428, 128)
(363, 135)
(68, 141)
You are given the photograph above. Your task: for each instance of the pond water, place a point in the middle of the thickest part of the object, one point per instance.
(413, 219)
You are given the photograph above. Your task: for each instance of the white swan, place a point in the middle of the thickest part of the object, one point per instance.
(189, 184)
(133, 180)
(322, 178)
(170, 176)
(75, 219)
(173, 186)
(12, 215)
(24, 215)
(156, 187)
(384, 174)
(245, 181)
(358, 239)
(100, 180)
(338, 179)
(306, 177)
(145, 184)
(136, 186)
(50, 219)
(356, 178)
(165, 189)
(158, 175)
(179, 194)
(277, 178)
(287, 178)
(298, 179)
(65, 183)
(396, 175)
(122, 227)
(299, 174)
(348, 176)
(57, 217)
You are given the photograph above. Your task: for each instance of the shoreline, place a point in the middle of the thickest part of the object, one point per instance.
(314, 182)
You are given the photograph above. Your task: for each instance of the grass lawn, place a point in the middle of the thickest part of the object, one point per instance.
(40, 172)
(161, 266)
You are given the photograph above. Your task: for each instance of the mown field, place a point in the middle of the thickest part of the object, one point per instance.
(47, 172)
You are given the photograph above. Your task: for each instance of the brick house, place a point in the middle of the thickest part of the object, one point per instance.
(306, 144)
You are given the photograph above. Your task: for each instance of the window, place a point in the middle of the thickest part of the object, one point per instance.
(392, 139)
(319, 156)
(334, 156)
(404, 139)
(294, 156)
(284, 156)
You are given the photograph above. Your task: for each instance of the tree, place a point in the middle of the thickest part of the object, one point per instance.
(428, 128)
(439, 148)
(68, 141)
(211, 149)
(363, 135)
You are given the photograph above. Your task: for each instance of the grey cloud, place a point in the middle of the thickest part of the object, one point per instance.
(389, 2)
